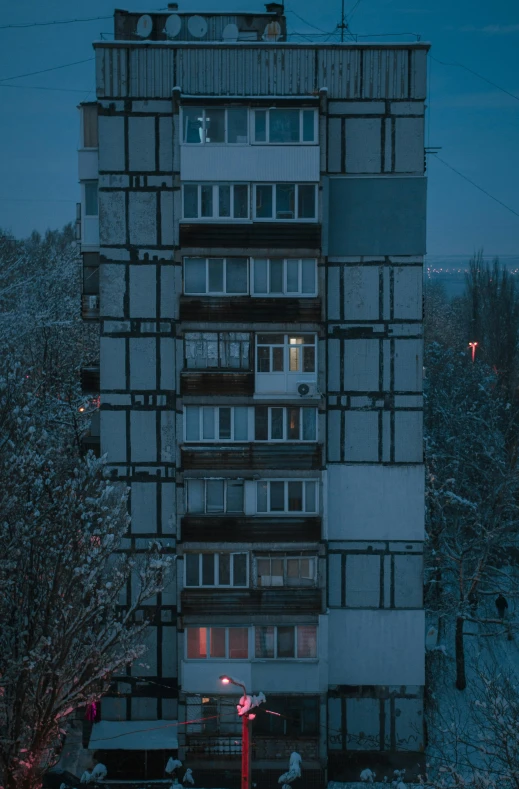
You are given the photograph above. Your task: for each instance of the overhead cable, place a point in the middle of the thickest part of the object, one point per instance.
(476, 74)
(55, 22)
(45, 70)
(476, 185)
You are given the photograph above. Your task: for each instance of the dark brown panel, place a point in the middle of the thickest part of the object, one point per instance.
(294, 457)
(90, 380)
(239, 528)
(91, 442)
(247, 309)
(263, 235)
(251, 601)
(198, 383)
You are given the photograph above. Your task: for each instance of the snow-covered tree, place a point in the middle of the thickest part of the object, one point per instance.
(63, 632)
(472, 494)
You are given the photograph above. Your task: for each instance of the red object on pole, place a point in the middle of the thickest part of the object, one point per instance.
(473, 345)
(245, 753)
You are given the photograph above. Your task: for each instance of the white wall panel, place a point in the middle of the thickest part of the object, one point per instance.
(361, 436)
(409, 145)
(408, 284)
(113, 363)
(143, 363)
(144, 507)
(363, 140)
(143, 291)
(376, 647)
(143, 436)
(113, 435)
(292, 163)
(112, 218)
(408, 365)
(88, 165)
(143, 218)
(373, 502)
(112, 289)
(141, 142)
(361, 293)
(361, 365)
(111, 143)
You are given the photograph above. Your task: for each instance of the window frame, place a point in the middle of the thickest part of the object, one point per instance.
(205, 480)
(221, 341)
(216, 425)
(216, 568)
(286, 293)
(266, 141)
(274, 217)
(286, 511)
(295, 657)
(285, 558)
(287, 346)
(208, 628)
(215, 217)
(207, 109)
(284, 439)
(208, 292)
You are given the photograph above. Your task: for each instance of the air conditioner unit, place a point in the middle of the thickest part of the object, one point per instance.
(307, 389)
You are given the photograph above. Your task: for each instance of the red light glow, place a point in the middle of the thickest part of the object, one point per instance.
(473, 345)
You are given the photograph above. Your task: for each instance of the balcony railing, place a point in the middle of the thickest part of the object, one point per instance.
(196, 382)
(252, 601)
(242, 528)
(248, 309)
(296, 457)
(275, 235)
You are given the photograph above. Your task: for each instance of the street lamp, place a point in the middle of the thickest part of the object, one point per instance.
(245, 734)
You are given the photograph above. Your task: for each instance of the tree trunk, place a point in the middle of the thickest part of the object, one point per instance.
(461, 680)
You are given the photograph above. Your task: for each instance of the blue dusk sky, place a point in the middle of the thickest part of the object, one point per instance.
(476, 123)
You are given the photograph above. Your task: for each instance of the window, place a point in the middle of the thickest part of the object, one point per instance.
(299, 716)
(91, 207)
(217, 350)
(216, 201)
(284, 277)
(217, 125)
(285, 201)
(217, 642)
(285, 126)
(286, 641)
(91, 273)
(286, 570)
(285, 424)
(216, 423)
(89, 117)
(216, 569)
(213, 715)
(213, 496)
(216, 276)
(283, 361)
(286, 496)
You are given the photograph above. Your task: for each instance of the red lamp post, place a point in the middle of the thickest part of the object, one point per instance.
(246, 770)
(473, 345)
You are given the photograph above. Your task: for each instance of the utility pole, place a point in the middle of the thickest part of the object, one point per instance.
(342, 23)
(246, 762)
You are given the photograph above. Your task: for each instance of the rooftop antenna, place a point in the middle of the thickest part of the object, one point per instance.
(342, 24)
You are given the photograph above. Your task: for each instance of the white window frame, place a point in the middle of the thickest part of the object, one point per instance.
(286, 440)
(275, 657)
(286, 293)
(215, 217)
(208, 292)
(222, 341)
(205, 110)
(284, 381)
(274, 218)
(285, 510)
(252, 130)
(216, 560)
(284, 578)
(216, 410)
(219, 627)
(205, 480)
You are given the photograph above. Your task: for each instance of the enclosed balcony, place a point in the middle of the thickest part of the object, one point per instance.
(242, 528)
(251, 601)
(296, 457)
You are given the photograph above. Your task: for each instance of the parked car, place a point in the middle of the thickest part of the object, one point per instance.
(56, 777)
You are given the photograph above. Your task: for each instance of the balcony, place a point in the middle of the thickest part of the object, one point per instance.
(242, 528)
(216, 383)
(252, 601)
(298, 456)
(245, 309)
(260, 235)
(91, 439)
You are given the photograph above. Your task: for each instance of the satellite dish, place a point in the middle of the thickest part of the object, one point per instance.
(172, 26)
(303, 389)
(272, 32)
(230, 33)
(197, 26)
(144, 26)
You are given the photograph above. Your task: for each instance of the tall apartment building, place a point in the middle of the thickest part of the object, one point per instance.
(253, 229)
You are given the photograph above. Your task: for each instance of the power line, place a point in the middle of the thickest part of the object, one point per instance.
(460, 65)
(349, 16)
(289, 10)
(56, 22)
(35, 200)
(45, 70)
(41, 87)
(476, 185)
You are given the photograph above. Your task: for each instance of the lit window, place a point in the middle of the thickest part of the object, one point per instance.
(286, 641)
(218, 125)
(289, 277)
(216, 569)
(285, 126)
(286, 496)
(216, 201)
(214, 496)
(216, 276)
(292, 202)
(217, 642)
(283, 361)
